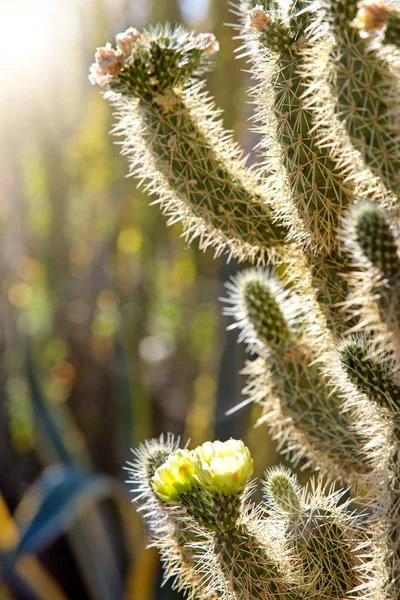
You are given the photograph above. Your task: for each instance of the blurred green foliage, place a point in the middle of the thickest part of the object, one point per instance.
(110, 325)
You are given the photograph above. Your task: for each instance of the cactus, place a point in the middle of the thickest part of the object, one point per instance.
(320, 309)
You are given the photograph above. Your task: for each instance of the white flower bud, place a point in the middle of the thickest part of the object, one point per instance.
(107, 64)
(126, 40)
(96, 76)
(107, 59)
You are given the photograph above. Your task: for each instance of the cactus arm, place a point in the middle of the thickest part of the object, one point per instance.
(317, 176)
(216, 500)
(245, 562)
(278, 50)
(320, 530)
(176, 144)
(366, 83)
(271, 321)
(371, 377)
(375, 280)
(376, 380)
(169, 535)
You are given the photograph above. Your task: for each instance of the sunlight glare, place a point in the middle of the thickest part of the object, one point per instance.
(32, 39)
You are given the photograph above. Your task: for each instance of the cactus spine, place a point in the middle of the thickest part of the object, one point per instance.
(323, 317)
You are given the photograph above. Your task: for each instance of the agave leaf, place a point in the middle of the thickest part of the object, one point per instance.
(59, 496)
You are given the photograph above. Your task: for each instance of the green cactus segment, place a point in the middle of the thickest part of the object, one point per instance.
(215, 512)
(320, 532)
(306, 399)
(316, 175)
(377, 382)
(375, 239)
(263, 311)
(177, 145)
(319, 189)
(326, 552)
(317, 183)
(173, 539)
(370, 377)
(182, 565)
(213, 189)
(256, 299)
(283, 488)
(248, 568)
(160, 62)
(275, 33)
(374, 280)
(331, 287)
(366, 88)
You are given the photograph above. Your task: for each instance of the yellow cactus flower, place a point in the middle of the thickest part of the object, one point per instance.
(223, 467)
(175, 476)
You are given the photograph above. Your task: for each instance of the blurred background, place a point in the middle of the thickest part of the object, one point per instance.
(110, 326)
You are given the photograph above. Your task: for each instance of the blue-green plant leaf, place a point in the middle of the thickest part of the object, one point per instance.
(60, 494)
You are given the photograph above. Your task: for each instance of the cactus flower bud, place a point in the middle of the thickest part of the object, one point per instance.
(258, 19)
(108, 60)
(107, 64)
(223, 467)
(372, 15)
(175, 476)
(126, 40)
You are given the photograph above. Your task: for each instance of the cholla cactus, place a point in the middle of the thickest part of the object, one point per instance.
(321, 310)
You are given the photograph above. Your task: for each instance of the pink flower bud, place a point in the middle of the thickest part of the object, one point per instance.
(126, 40)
